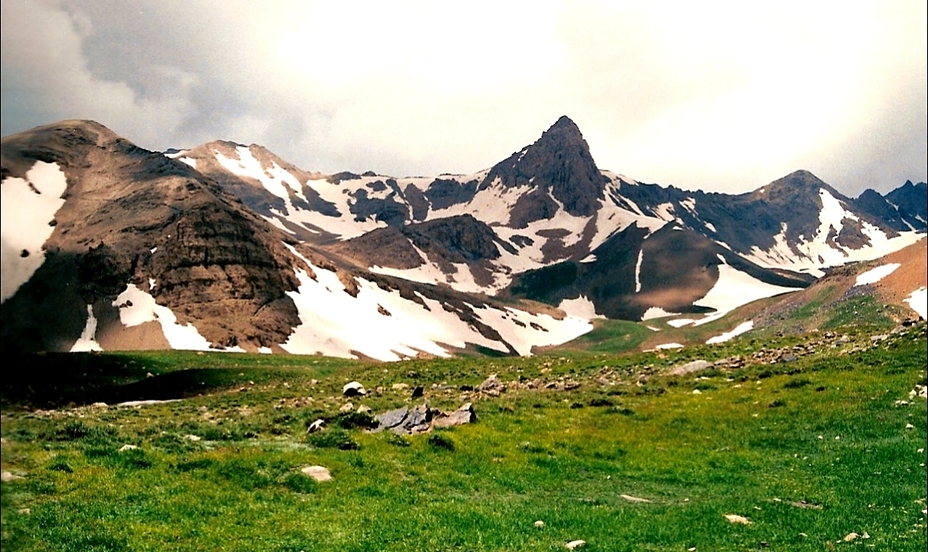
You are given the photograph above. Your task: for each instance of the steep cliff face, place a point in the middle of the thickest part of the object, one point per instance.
(557, 168)
(131, 216)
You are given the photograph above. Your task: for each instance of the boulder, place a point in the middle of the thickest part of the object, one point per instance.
(353, 389)
(689, 368)
(319, 473)
(391, 419)
(463, 415)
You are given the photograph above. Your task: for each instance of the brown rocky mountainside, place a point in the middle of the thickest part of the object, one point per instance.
(134, 216)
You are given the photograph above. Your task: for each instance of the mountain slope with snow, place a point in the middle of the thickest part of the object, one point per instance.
(231, 247)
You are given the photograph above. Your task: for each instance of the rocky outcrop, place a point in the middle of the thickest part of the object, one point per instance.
(559, 166)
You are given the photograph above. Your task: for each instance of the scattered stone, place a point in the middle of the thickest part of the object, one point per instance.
(24, 511)
(419, 420)
(316, 426)
(689, 367)
(6, 476)
(463, 415)
(909, 426)
(193, 438)
(364, 409)
(353, 389)
(99, 405)
(400, 386)
(571, 385)
(124, 448)
(539, 524)
(735, 518)
(319, 473)
(391, 419)
(806, 505)
(574, 544)
(697, 392)
(417, 392)
(492, 384)
(346, 408)
(631, 498)
(851, 537)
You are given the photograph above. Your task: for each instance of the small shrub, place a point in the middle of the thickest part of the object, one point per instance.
(300, 483)
(601, 401)
(796, 383)
(334, 438)
(397, 440)
(439, 441)
(352, 420)
(61, 465)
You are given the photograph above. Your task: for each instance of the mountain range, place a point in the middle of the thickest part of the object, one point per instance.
(228, 247)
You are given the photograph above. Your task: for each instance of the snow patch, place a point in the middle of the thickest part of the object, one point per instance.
(137, 307)
(874, 275)
(657, 312)
(638, 270)
(680, 322)
(27, 207)
(918, 300)
(740, 329)
(581, 307)
(669, 346)
(88, 339)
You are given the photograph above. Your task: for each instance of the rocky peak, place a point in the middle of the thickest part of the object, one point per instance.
(558, 165)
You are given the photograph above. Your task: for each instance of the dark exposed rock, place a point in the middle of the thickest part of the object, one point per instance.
(558, 165)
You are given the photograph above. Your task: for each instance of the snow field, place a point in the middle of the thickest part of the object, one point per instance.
(874, 275)
(918, 300)
(137, 307)
(380, 324)
(27, 205)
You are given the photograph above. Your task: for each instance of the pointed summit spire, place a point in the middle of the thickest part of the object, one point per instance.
(558, 166)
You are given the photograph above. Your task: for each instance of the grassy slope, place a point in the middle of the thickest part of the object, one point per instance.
(825, 429)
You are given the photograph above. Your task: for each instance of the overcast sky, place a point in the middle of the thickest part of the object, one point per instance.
(721, 96)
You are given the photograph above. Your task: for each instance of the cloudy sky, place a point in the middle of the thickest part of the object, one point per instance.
(722, 96)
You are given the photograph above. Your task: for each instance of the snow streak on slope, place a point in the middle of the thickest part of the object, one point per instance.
(382, 325)
(28, 207)
(740, 329)
(137, 307)
(88, 339)
(812, 255)
(874, 275)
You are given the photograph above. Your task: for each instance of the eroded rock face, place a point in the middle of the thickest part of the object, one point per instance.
(132, 216)
(557, 165)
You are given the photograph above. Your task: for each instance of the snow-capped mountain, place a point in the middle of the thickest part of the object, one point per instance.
(107, 245)
(229, 246)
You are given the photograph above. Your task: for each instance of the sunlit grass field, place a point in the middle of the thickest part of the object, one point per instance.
(816, 447)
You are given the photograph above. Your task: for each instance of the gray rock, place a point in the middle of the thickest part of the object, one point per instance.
(492, 383)
(318, 425)
(418, 421)
(391, 419)
(463, 415)
(689, 368)
(319, 473)
(353, 389)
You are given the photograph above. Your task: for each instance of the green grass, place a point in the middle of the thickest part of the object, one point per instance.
(809, 450)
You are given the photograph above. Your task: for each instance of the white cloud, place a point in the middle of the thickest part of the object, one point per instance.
(719, 95)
